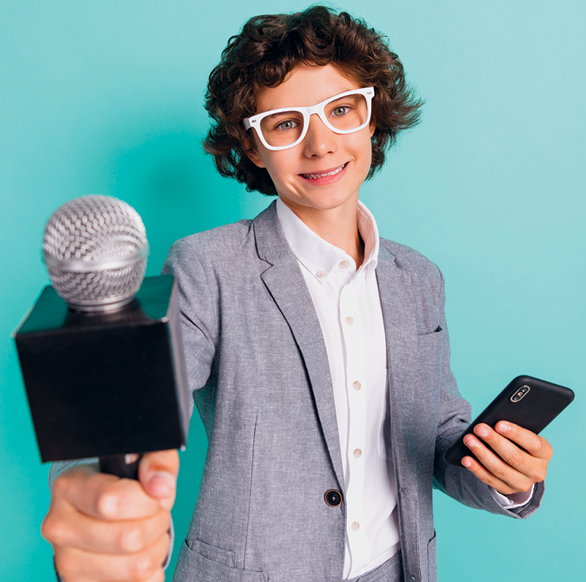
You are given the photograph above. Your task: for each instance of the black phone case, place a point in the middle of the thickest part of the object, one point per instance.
(529, 402)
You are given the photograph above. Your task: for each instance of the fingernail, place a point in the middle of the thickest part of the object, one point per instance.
(503, 426)
(481, 431)
(110, 505)
(466, 461)
(161, 483)
(469, 441)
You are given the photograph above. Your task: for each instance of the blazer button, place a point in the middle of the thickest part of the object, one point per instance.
(333, 498)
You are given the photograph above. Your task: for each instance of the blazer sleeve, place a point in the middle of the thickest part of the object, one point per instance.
(454, 417)
(198, 303)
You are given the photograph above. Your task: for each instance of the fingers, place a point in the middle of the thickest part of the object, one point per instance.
(103, 527)
(535, 445)
(486, 476)
(78, 565)
(157, 473)
(102, 496)
(506, 467)
(67, 527)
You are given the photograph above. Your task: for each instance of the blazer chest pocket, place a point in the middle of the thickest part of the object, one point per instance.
(200, 562)
(429, 351)
(429, 339)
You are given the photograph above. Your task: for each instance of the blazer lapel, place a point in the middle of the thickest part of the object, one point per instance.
(286, 284)
(399, 316)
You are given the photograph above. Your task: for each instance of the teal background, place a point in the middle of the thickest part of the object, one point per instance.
(106, 97)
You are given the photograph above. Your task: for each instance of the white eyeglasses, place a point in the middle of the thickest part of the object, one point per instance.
(280, 129)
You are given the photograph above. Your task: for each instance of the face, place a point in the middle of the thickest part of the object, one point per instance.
(325, 170)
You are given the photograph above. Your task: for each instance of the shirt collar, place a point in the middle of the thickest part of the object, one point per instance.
(320, 257)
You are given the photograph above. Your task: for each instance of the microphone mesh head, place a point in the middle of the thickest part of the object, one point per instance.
(95, 249)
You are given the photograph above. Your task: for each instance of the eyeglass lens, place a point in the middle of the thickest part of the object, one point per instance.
(346, 113)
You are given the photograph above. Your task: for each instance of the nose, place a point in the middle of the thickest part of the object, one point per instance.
(319, 140)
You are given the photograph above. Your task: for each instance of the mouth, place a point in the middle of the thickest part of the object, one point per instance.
(325, 174)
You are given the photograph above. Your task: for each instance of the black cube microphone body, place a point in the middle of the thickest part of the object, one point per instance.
(101, 356)
(107, 383)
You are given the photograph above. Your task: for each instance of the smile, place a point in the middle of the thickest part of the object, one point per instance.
(325, 174)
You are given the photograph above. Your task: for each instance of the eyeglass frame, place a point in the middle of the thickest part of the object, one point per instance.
(307, 112)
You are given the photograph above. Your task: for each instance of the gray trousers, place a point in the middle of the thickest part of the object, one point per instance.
(390, 571)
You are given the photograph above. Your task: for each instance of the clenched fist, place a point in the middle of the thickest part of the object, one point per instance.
(102, 527)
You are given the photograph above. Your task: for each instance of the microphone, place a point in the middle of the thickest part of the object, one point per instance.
(95, 249)
(100, 351)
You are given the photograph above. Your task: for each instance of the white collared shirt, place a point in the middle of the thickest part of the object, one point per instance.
(348, 306)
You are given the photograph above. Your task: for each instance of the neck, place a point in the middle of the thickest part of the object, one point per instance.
(337, 226)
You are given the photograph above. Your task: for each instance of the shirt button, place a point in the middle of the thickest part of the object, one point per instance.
(350, 320)
(357, 385)
(321, 273)
(357, 453)
(355, 526)
(345, 264)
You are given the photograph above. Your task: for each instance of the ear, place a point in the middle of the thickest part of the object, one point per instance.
(255, 158)
(372, 128)
(252, 153)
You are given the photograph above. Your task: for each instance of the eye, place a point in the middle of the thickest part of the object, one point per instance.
(340, 110)
(286, 125)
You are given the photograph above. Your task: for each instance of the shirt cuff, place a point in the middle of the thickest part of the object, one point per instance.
(171, 543)
(515, 499)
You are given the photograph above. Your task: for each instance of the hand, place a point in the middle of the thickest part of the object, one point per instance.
(102, 527)
(512, 469)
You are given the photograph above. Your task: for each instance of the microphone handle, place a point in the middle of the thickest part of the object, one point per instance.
(117, 465)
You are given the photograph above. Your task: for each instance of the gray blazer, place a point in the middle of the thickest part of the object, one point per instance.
(259, 374)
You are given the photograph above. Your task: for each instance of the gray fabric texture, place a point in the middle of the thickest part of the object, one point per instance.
(259, 376)
(390, 571)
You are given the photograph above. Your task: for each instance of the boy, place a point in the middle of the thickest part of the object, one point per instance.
(317, 353)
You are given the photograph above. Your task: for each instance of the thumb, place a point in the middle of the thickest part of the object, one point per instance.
(157, 473)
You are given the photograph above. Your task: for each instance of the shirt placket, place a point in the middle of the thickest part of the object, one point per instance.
(353, 336)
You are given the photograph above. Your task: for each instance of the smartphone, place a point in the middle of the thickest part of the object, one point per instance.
(529, 402)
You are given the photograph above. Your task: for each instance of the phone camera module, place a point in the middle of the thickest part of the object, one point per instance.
(520, 394)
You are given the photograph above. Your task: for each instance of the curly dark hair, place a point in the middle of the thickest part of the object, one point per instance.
(267, 49)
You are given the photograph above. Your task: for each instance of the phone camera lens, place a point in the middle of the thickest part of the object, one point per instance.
(520, 394)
